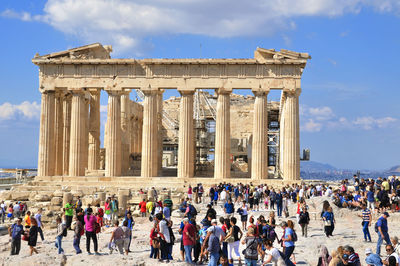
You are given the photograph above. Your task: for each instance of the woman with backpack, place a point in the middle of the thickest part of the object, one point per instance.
(90, 227)
(253, 246)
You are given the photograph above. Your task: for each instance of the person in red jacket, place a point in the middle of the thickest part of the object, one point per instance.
(189, 239)
(142, 206)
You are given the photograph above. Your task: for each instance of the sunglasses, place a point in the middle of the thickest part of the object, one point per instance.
(388, 249)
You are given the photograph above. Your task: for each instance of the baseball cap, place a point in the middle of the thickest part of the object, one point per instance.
(214, 221)
(386, 214)
(186, 219)
(368, 251)
(345, 256)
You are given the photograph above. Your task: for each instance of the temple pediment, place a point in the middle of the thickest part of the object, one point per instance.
(91, 51)
(263, 55)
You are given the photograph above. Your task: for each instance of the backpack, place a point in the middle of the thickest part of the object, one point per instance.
(64, 232)
(294, 236)
(213, 244)
(251, 252)
(192, 210)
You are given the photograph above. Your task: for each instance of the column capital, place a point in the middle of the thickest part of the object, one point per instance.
(223, 91)
(186, 91)
(260, 92)
(94, 91)
(294, 92)
(76, 91)
(114, 92)
(126, 91)
(150, 92)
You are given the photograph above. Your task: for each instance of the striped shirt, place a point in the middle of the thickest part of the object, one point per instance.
(365, 215)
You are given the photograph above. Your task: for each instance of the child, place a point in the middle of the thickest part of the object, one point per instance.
(100, 215)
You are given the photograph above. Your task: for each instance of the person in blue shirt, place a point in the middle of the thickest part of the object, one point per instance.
(329, 221)
(383, 232)
(15, 232)
(371, 200)
(229, 207)
(279, 202)
(288, 242)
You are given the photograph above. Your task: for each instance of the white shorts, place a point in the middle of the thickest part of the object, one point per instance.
(107, 217)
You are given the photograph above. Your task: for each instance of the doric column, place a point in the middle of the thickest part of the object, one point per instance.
(281, 131)
(67, 132)
(78, 134)
(94, 130)
(291, 137)
(113, 151)
(186, 136)
(134, 135)
(125, 130)
(58, 132)
(259, 167)
(160, 130)
(222, 165)
(46, 135)
(85, 121)
(150, 135)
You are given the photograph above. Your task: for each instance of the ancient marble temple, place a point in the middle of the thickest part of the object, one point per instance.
(70, 83)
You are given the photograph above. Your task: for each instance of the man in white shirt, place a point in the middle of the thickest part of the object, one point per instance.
(165, 236)
(392, 256)
(223, 196)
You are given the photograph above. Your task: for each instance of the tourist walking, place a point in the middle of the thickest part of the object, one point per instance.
(15, 232)
(213, 244)
(366, 222)
(90, 227)
(382, 230)
(304, 220)
(38, 217)
(288, 240)
(33, 235)
(130, 224)
(107, 212)
(252, 247)
(189, 239)
(117, 236)
(69, 213)
(61, 231)
(229, 208)
(114, 208)
(127, 236)
(329, 221)
(279, 203)
(142, 206)
(243, 215)
(78, 232)
(233, 238)
(27, 220)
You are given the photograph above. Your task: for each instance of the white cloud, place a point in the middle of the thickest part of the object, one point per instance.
(311, 126)
(321, 113)
(126, 24)
(25, 110)
(368, 122)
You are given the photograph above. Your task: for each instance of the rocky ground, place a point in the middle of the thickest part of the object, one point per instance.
(348, 231)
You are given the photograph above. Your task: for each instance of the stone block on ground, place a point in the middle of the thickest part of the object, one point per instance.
(20, 195)
(42, 197)
(56, 201)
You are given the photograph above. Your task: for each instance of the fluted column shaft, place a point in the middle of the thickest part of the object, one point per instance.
(78, 134)
(160, 130)
(46, 158)
(125, 131)
(150, 135)
(67, 132)
(58, 132)
(186, 136)
(113, 151)
(94, 131)
(291, 137)
(222, 165)
(259, 167)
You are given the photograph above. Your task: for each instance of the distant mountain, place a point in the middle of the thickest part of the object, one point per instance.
(394, 169)
(311, 166)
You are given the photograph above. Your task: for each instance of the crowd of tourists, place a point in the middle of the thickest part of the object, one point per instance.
(216, 239)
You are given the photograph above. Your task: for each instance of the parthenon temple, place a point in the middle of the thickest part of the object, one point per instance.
(196, 135)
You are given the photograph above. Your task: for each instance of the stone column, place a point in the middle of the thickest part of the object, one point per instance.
(149, 135)
(78, 134)
(291, 137)
(67, 131)
(46, 135)
(259, 165)
(281, 131)
(113, 151)
(125, 131)
(85, 121)
(134, 135)
(94, 130)
(58, 132)
(222, 165)
(160, 130)
(186, 136)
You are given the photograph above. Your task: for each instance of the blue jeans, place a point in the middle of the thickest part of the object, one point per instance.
(225, 248)
(279, 209)
(380, 241)
(250, 262)
(214, 257)
(58, 244)
(367, 235)
(188, 254)
(288, 253)
(153, 252)
(76, 243)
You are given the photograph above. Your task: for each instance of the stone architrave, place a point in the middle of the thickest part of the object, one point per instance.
(222, 165)
(94, 130)
(150, 135)
(67, 132)
(125, 131)
(259, 168)
(113, 151)
(291, 137)
(58, 132)
(46, 158)
(186, 136)
(78, 134)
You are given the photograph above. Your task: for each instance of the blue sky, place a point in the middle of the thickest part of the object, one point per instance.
(350, 114)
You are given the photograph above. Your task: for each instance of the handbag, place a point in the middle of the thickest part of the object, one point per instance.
(230, 239)
(327, 222)
(25, 236)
